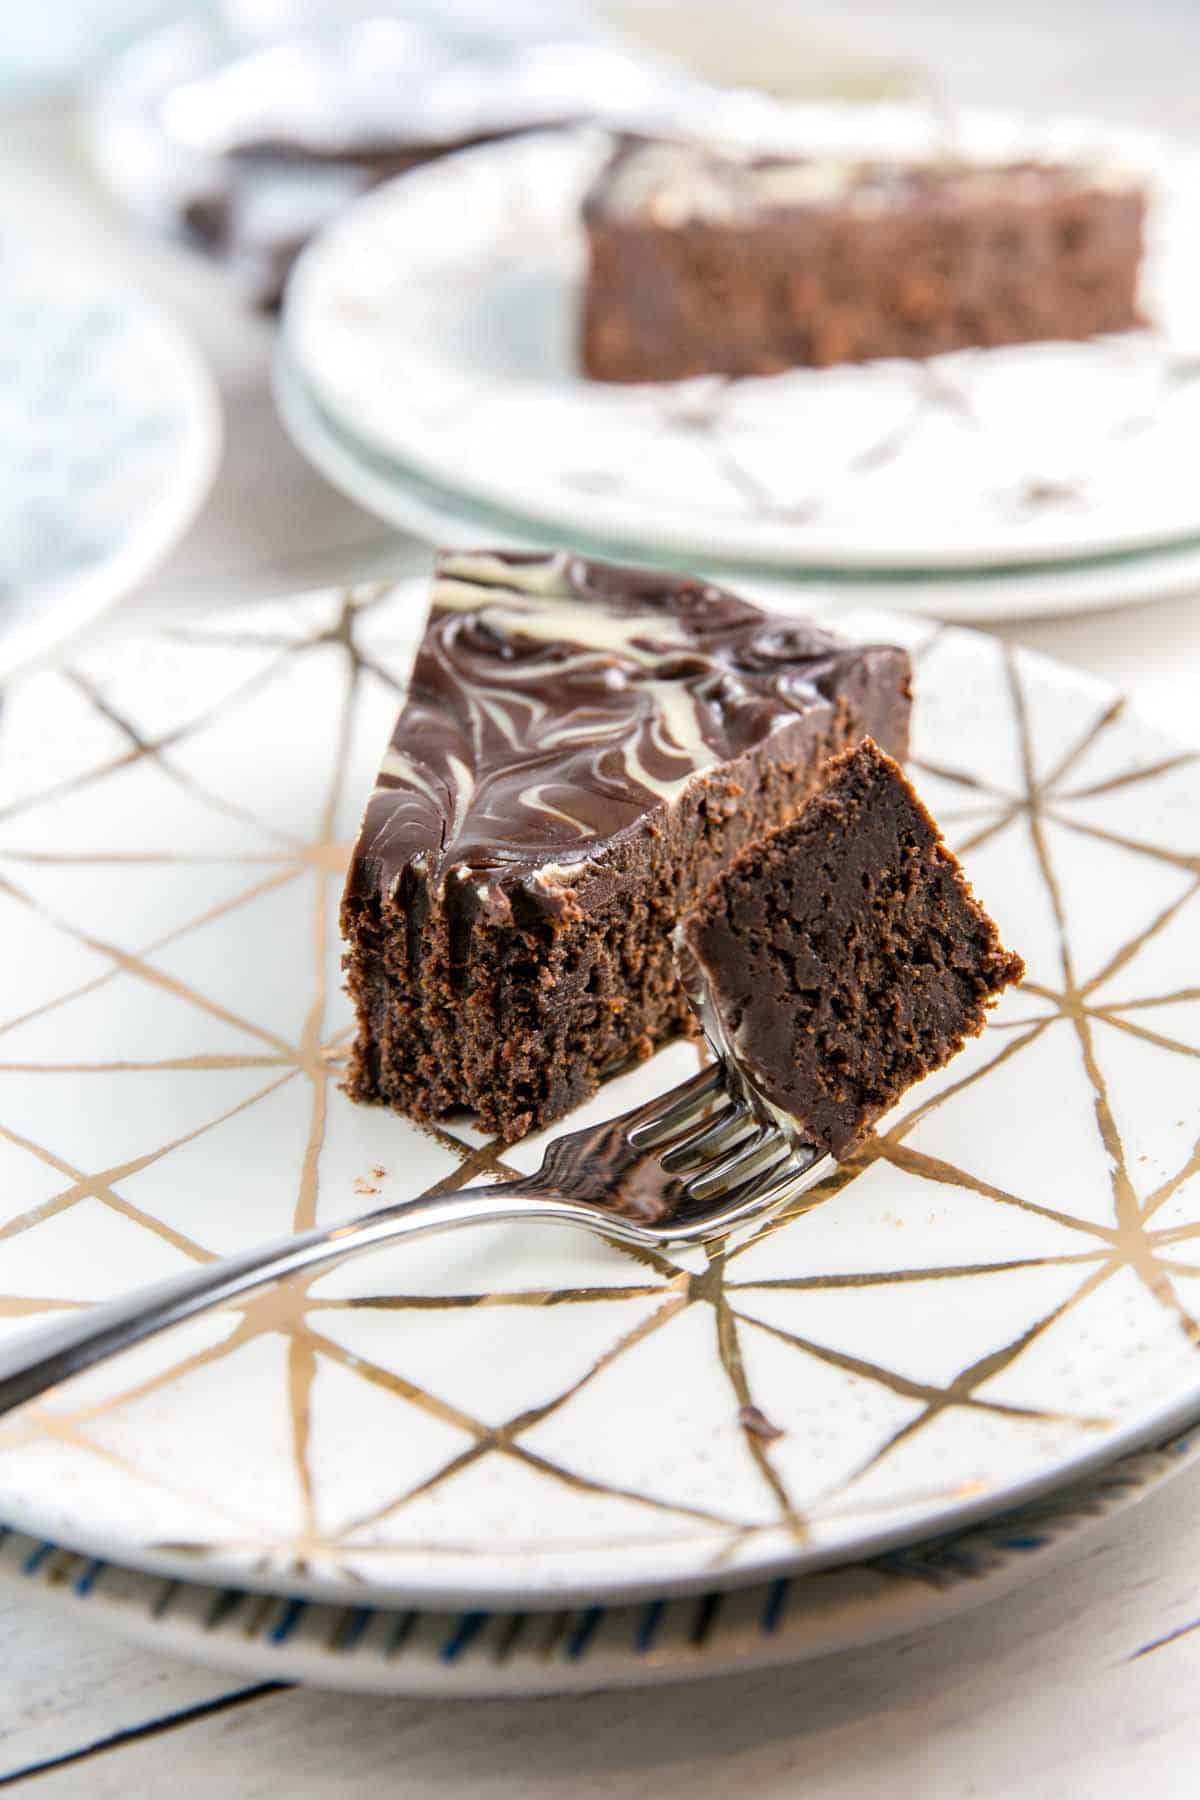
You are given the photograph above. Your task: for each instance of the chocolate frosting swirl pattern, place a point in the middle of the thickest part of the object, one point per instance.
(555, 703)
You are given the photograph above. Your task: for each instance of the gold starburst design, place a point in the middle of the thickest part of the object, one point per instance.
(1002, 1279)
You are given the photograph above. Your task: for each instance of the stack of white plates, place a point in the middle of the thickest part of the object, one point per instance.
(428, 365)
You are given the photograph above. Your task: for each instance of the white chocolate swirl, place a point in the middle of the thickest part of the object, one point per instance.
(677, 182)
(558, 704)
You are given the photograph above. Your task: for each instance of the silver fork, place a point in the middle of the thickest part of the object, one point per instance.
(683, 1168)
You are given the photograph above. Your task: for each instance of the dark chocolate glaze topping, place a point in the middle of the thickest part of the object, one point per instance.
(556, 704)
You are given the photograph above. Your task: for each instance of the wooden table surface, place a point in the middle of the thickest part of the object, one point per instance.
(1081, 1686)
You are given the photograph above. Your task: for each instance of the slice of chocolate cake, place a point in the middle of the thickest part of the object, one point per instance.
(710, 261)
(582, 750)
(845, 956)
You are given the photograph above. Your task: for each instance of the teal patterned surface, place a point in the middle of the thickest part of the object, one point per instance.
(47, 46)
(109, 439)
(87, 431)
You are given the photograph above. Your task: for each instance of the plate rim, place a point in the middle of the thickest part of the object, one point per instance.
(1159, 150)
(61, 609)
(934, 1580)
(175, 1563)
(407, 499)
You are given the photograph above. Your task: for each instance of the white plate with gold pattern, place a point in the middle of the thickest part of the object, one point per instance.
(369, 1648)
(998, 1296)
(437, 321)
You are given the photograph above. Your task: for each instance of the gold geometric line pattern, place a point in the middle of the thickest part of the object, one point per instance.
(201, 1060)
(798, 1284)
(1111, 1015)
(302, 1362)
(101, 1185)
(19, 1306)
(140, 747)
(1074, 754)
(222, 804)
(729, 1351)
(285, 1555)
(30, 1424)
(51, 1426)
(503, 1438)
(937, 1396)
(1129, 950)
(961, 1391)
(1126, 1243)
(1165, 766)
(1169, 1189)
(462, 1302)
(911, 1116)
(975, 840)
(933, 1168)
(1174, 1266)
(129, 963)
(1172, 999)
(1136, 1253)
(1165, 853)
(99, 859)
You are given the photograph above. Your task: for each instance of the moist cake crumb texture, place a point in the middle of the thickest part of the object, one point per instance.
(845, 956)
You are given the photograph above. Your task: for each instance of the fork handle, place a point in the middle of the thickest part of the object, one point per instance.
(38, 1360)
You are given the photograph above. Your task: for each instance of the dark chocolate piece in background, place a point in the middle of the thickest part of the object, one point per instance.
(706, 261)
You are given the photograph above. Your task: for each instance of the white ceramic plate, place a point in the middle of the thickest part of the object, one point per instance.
(437, 321)
(1000, 1298)
(441, 517)
(373, 1649)
(110, 434)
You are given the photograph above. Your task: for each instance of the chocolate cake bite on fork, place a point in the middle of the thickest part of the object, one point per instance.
(844, 956)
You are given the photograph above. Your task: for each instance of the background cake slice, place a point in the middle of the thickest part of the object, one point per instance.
(582, 750)
(845, 956)
(708, 261)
